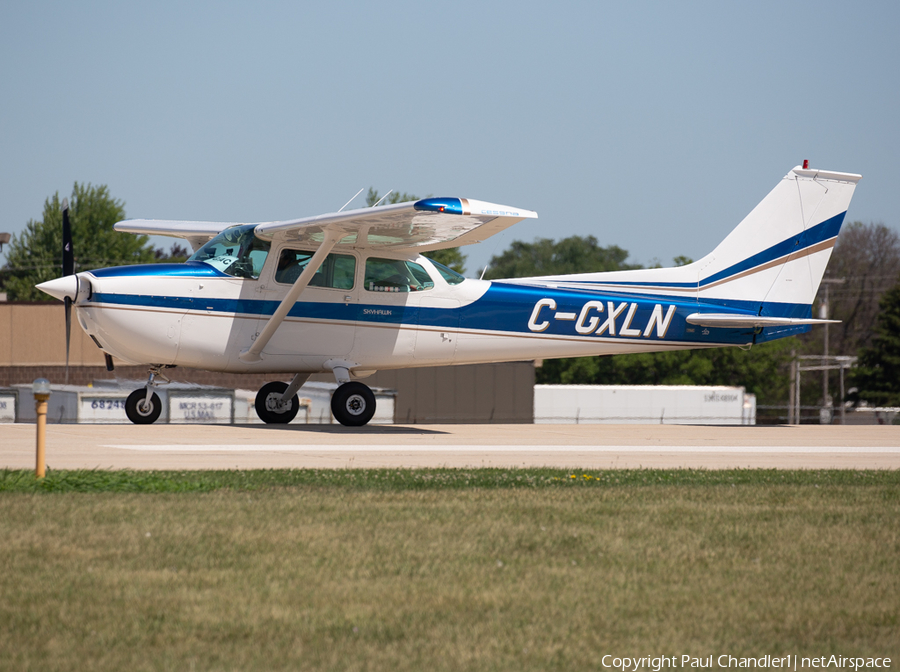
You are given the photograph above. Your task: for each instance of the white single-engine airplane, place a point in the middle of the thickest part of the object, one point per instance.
(351, 293)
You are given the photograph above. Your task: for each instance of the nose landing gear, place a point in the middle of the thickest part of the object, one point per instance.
(141, 410)
(143, 406)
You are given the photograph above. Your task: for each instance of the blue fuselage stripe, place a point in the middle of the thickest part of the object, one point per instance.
(505, 308)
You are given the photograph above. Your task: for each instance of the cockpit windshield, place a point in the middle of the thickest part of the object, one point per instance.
(235, 251)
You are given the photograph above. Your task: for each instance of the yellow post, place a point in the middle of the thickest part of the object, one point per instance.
(41, 390)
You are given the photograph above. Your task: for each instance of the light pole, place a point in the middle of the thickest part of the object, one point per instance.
(824, 308)
(41, 390)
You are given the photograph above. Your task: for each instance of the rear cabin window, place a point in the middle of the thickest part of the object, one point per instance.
(448, 274)
(393, 275)
(336, 272)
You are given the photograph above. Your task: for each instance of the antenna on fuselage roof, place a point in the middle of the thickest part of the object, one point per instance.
(351, 200)
(383, 197)
(497, 239)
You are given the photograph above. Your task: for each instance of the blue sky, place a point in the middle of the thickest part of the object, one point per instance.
(653, 126)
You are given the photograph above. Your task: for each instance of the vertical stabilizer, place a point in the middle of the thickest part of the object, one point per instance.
(773, 262)
(770, 265)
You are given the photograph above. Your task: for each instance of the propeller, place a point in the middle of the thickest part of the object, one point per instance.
(68, 268)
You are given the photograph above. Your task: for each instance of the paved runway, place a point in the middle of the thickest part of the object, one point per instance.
(333, 446)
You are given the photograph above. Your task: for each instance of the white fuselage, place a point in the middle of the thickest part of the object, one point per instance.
(206, 321)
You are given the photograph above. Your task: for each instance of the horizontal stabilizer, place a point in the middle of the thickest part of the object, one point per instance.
(737, 321)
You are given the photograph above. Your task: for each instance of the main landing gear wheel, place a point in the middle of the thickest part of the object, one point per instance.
(139, 412)
(353, 404)
(269, 407)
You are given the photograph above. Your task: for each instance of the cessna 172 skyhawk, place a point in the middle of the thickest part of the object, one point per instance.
(351, 292)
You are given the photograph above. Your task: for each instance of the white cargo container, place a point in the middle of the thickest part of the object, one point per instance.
(105, 404)
(8, 404)
(201, 407)
(75, 404)
(643, 404)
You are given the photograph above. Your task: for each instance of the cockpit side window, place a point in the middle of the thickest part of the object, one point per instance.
(394, 275)
(336, 272)
(235, 251)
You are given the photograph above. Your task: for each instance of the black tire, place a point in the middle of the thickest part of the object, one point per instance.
(353, 404)
(137, 413)
(267, 404)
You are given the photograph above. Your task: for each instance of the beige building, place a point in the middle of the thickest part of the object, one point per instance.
(33, 345)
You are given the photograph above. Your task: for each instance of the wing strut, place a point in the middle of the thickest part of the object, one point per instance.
(252, 354)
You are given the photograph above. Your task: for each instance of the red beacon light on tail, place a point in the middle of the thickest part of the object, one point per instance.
(805, 164)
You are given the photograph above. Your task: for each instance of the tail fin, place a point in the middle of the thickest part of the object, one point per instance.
(769, 267)
(773, 262)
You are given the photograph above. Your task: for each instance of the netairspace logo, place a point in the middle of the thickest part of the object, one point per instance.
(788, 662)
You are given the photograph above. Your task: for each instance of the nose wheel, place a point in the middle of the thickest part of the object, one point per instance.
(142, 410)
(353, 404)
(143, 406)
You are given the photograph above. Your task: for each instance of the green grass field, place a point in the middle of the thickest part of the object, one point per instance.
(443, 569)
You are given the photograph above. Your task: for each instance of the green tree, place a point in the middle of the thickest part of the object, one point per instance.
(177, 254)
(544, 256)
(866, 262)
(878, 374)
(450, 257)
(35, 255)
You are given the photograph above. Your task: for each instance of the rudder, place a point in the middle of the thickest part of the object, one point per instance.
(773, 262)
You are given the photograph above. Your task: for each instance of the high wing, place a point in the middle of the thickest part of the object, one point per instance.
(196, 233)
(427, 224)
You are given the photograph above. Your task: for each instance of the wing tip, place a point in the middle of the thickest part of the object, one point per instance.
(450, 206)
(468, 206)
